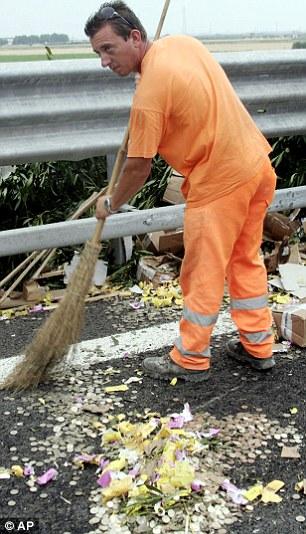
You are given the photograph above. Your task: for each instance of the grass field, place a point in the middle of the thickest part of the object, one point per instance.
(17, 54)
(42, 57)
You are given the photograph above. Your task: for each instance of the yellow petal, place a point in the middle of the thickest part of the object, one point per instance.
(269, 492)
(97, 425)
(270, 496)
(17, 471)
(164, 485)
(301, 486)
(117, 488)
(183, 475)
(139, 491)
(275, 485)
(252, 493)
(125, 427)
(110, 435)
(5, 474)
(115, 389)
(116, 465)
(148, 428)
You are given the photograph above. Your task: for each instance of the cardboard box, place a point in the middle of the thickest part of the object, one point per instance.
(173, 194)
(171, 241)
(32, 291)
(278, 227)
(157, 269)
(290, 321)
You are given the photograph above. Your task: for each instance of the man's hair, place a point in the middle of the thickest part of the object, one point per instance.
(96, 21)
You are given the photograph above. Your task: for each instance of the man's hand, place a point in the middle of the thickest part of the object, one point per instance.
(101, 211)
(134, 174)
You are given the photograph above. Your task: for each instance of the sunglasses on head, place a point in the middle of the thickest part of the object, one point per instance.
(108, 13)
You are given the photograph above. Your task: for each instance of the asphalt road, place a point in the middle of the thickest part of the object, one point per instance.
(234, 398)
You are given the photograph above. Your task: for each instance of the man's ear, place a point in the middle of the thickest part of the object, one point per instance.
(135, 35)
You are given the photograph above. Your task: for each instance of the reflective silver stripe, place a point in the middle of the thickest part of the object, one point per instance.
(257, 337)
(179, 345)
(198, 318)
(255, 303)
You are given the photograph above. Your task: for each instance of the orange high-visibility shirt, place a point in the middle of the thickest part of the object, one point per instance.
(186, 110)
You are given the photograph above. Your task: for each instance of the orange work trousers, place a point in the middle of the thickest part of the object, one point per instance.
(222, 241)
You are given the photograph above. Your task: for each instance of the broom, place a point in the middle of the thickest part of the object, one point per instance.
(63, 326)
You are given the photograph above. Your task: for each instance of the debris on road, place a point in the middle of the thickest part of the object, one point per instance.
(144, 471)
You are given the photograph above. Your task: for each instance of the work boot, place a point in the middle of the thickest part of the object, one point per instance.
(235, 350)
(164, 368)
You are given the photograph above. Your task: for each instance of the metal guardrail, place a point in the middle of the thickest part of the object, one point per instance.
(122, 224)
(70, 110)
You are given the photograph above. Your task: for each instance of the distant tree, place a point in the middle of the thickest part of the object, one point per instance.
(3, 42)
(20, 40)
(33, 39)
(299, 44)
(60, 38)
(54, 38)
(44, 38)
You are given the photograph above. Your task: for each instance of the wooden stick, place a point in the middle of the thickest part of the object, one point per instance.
(162, 20)
(50, 274)
(36, 256)
(81, 209)
(18, 268)
(22, 276)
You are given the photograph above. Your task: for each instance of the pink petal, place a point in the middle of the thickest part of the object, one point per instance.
(46, 477)
(233, 492)
(213, 432)
(179, 419)
(84, 458)
(37, 308)
(28, 470)
(136, 305)
(197, 485)
(176, 422)
(135, 471)
(180, 455)
(228, 486)
(105, 480)
(103, 463)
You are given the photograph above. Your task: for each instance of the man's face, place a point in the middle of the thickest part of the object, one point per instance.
(120, 56)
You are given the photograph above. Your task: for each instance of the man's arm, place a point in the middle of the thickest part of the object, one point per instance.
(133, 176)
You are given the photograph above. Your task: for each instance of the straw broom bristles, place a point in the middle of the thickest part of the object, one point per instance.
(60, 330)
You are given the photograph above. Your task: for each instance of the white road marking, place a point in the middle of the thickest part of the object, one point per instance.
(117, 346)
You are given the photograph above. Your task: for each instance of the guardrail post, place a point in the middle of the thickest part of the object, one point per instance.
(122, 247)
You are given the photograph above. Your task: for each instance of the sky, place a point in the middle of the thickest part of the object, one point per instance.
(195, 17)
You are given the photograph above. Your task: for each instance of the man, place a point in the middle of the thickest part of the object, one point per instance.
(186, 110)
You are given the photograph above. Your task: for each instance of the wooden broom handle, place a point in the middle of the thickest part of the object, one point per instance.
(122, 152)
